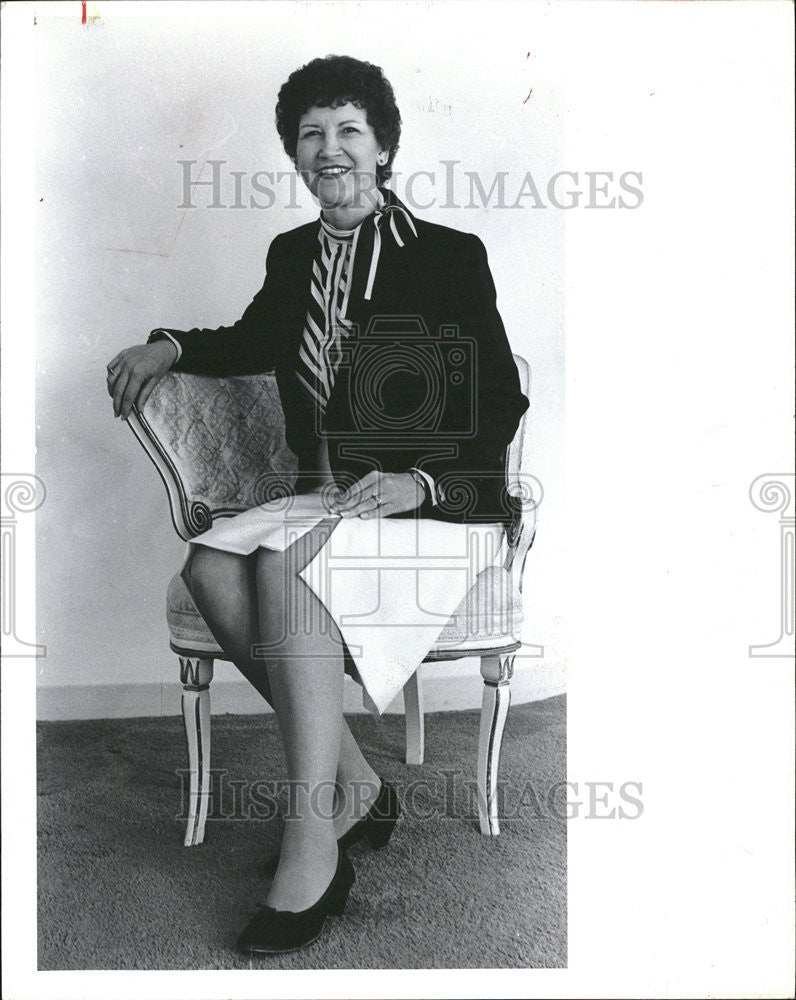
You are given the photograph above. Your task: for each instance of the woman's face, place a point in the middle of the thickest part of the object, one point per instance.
(337, 154)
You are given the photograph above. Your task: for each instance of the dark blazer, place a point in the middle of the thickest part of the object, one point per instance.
(427, 379)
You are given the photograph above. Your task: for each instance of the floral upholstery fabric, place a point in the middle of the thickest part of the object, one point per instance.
(224, 437)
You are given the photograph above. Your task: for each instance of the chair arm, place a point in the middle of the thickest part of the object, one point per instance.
(190, 518)
(218, 444)
(520, 535)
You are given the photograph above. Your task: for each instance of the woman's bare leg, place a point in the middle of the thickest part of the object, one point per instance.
(224, 588)
(304, 660)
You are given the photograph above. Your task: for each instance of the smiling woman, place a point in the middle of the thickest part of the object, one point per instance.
(336, 151)
(348, 104)
(401, 396)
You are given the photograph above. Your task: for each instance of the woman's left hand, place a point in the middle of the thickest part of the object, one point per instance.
(378, 494)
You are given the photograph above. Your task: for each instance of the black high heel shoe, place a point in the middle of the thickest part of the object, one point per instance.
(376, 825)
(378, 822)
(272, 932)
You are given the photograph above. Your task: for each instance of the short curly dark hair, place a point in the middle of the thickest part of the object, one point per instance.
(336, 80)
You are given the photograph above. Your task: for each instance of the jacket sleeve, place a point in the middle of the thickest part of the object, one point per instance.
(250, 346)
(496, 400)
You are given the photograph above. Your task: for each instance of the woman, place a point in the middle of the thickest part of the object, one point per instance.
(400, 393)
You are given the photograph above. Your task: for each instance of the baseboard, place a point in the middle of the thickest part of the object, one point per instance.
(446, 687)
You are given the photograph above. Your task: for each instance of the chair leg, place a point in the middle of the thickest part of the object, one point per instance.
(496, 671)
(413, 711)
(195, 676)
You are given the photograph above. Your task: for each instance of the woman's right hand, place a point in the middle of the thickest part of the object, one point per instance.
(134, 373)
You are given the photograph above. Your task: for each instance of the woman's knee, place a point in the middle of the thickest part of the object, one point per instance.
(213, 571)
(281, 569)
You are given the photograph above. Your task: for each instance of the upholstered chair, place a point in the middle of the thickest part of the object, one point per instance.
(219, 446)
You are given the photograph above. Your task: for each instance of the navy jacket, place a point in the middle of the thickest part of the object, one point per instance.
(427, 380)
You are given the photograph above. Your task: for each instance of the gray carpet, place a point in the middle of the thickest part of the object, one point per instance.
(117, 890)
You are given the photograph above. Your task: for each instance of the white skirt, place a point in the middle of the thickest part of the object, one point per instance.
(390, 585)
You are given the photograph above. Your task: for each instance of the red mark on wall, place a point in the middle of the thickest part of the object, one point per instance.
(83, 18)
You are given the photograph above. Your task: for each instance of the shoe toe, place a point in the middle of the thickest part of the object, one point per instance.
(271, 932)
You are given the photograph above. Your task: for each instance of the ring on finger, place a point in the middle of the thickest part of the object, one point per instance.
(378, 500)
(111, 371)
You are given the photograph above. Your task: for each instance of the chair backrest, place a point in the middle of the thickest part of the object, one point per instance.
(219, 446)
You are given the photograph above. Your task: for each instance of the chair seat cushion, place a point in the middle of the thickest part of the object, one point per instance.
(491, 612)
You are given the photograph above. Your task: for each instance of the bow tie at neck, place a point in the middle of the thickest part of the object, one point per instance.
(366, 240)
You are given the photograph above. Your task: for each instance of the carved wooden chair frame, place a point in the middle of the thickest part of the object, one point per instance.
(193, 510)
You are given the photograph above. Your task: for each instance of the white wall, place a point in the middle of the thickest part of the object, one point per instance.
(121, 101)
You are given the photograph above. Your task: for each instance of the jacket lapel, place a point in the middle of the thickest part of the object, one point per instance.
(380, 257)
